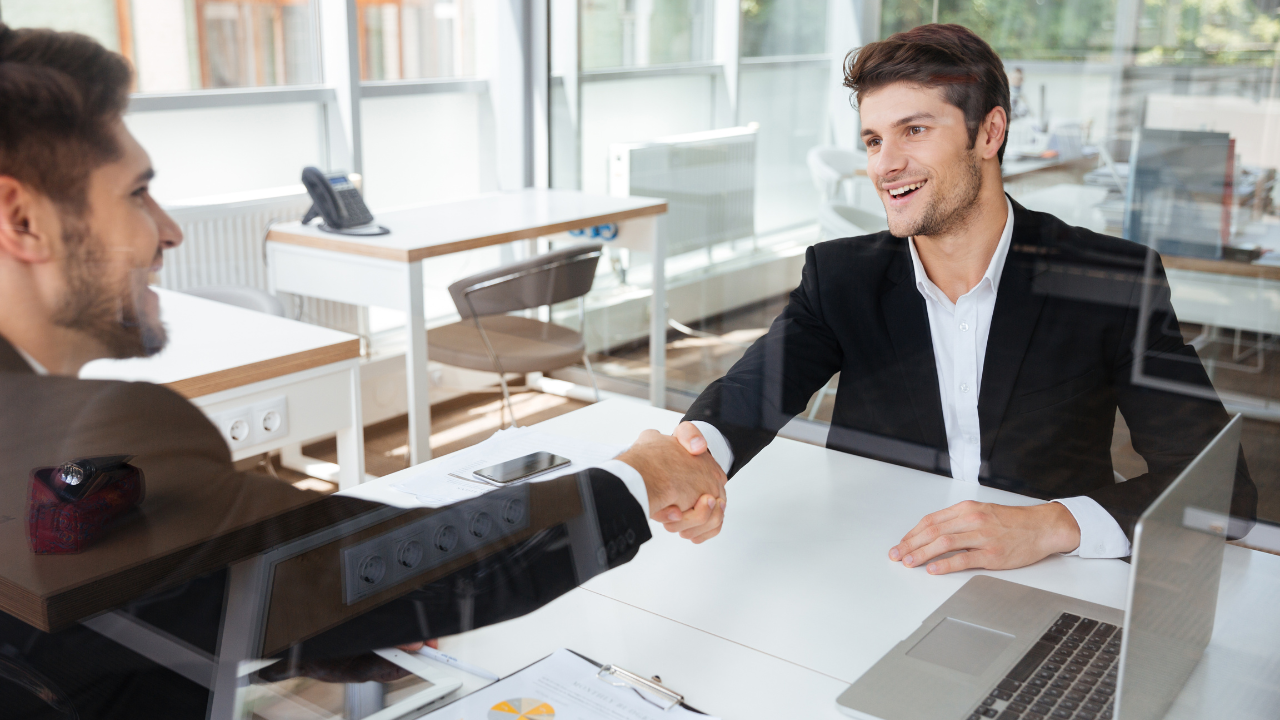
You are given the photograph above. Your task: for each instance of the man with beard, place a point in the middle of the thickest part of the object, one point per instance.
(975, 338)
(79, 236)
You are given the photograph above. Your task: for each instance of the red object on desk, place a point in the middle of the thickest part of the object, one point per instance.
(55, 526)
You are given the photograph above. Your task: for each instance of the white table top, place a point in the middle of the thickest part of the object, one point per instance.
(438, 229)
(214, 346)
(799, 580)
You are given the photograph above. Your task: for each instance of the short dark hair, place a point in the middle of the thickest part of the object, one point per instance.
(60, 94)
(950, 57)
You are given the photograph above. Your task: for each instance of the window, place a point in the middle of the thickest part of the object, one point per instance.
(409, 39)
(1030, 30)
(640, 33)
(180, 45)
(783, 27)
(1208, 32)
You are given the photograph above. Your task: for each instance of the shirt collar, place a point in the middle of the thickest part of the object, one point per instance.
(994, 269)
(36, 367)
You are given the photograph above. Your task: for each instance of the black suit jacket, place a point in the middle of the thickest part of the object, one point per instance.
(50, 420)
(1082, 326)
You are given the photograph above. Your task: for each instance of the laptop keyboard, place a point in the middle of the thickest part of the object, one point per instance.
(1069, 674)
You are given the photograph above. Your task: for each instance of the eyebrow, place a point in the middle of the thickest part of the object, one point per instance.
(145, 176)
(903, 121)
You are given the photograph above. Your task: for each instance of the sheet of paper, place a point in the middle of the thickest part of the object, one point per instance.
(563, 686)
(450, 479)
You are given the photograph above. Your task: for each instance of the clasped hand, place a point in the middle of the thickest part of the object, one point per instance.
(986, 535)
(685, 484)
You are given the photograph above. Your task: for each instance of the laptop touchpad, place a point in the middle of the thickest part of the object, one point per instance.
(961, 646)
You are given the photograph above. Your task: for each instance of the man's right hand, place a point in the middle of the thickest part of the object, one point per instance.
(687, 489)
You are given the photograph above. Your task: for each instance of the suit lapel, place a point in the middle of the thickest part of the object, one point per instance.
(1016, 312)
(908, 322)
(11, 361)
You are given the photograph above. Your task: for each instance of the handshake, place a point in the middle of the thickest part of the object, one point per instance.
(685, 483)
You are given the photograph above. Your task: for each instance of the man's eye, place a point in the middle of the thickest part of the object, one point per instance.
(874, 142)
(915, 130)
(141, 191)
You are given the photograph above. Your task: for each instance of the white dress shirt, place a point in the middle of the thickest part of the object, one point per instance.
(959, 331)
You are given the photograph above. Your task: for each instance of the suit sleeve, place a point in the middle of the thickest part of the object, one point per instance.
(1170, 406)
(774, 380)
(509, 583)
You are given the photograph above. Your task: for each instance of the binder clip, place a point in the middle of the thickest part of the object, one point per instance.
(619, 677)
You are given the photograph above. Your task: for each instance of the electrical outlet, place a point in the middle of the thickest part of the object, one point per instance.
(270, 419)
(236, 427)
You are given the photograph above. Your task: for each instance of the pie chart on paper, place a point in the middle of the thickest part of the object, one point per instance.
(522, 709)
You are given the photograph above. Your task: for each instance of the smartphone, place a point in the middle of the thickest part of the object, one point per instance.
(522, 468)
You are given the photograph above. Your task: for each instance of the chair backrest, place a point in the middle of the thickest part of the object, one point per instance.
(249, 298)
(829, 165)
(542, 280)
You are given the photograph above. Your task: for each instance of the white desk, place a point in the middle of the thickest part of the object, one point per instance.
(796, 598)
(386, 271)
(224, 358)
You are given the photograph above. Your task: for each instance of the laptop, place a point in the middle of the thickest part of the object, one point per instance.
(998, 649)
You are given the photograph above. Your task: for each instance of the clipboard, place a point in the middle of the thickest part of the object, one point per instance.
(620, 677)
(652, 691)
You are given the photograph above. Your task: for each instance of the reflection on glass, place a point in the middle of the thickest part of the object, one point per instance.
(176, 46)
(411, 39)
(783, 27)
(1043, 30)
(640, 33)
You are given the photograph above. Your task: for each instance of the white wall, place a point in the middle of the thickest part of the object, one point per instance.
(423, 148)
(225, 150)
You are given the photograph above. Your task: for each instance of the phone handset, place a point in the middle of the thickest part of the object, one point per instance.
(336, 200)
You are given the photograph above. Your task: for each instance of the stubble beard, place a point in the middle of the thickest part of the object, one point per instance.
(954, 210)
(109, 315)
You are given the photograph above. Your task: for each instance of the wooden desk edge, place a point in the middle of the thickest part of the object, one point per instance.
(338, 244)
(266, 369)
(1221, 267)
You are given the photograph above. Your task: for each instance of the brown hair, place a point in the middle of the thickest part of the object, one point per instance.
(60, 93)
(950, 57)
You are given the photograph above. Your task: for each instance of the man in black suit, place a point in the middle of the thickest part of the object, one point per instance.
(79, 236)
(974, 338)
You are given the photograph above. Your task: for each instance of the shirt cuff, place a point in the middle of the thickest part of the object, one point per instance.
(1100, 534)
(716, 445)
(631, 478)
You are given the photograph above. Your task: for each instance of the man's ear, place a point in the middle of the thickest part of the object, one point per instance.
(994, 128)
(27, 223)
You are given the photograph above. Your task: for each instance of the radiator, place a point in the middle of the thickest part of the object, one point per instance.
(224, 246)
(707, 178)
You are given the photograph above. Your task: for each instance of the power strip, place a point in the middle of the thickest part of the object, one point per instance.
(411, 550)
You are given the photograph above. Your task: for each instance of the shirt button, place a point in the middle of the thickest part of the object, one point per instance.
(964, 387)
(964, 326)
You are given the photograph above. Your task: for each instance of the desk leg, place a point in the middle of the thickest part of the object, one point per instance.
(658, 317)
(351, 439)
(240, 628)
(416, 372)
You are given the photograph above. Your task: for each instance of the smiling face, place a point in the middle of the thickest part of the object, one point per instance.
(110, 253)
(920, 159)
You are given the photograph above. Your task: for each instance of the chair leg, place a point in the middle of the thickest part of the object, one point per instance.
(591, 374)
(506, 399)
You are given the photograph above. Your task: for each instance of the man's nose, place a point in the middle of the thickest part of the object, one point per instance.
(889, 161)
(170, 233)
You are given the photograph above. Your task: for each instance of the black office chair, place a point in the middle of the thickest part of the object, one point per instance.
(504, 343)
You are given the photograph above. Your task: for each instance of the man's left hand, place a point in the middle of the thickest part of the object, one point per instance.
(984, 535)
